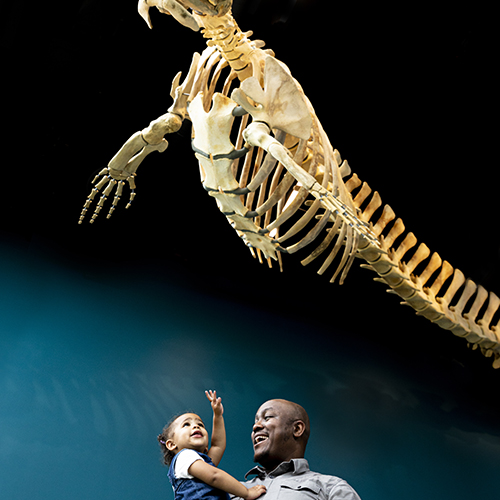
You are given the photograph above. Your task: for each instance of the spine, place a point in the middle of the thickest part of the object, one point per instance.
(243, 55)
(431, 298)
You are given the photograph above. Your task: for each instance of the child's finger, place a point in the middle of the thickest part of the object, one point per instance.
(211, 395)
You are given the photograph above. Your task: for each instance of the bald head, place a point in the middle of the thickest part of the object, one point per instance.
(296, 412)
(280, 432)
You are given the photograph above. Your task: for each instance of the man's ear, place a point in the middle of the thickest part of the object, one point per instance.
(298, 428)
(170, 445)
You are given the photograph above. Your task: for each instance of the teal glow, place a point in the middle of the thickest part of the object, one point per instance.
(93, 363)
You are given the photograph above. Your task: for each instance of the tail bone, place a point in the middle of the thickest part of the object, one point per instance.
(430, 297)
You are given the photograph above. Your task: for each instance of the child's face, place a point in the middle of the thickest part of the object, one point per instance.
(188, 431)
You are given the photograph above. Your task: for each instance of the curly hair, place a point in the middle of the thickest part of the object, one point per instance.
(166, 434)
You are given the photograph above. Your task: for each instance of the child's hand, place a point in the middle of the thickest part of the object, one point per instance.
(255, 492)
(216, 403)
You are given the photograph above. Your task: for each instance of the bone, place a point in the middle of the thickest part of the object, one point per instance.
(332, 232)
(362, 194)
(457, 282)
(207, 7)
(281, 103)
(396, 230)
(370, 209)
(445, 273)
(468, 292)
(134, 144)
(493, 305)
(132, 195)
(175, 9)
(299, 225)
(419, 256)
(102, 182)
(345, 169)
(180, 93)
(312, 234)
(480, 299)
(278, 193)
(267, 167)
(387, 216)
(117, 198)
(432, 266)
(249, 202)
(289, 212)
(347, 257)
(353, 183)
(409, 242)
(104, 171)
(334, 251)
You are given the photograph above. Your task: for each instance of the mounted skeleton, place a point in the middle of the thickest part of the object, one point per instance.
(264, 156)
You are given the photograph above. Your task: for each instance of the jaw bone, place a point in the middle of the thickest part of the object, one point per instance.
(179, 10)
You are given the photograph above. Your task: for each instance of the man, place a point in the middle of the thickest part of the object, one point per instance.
(279, 440)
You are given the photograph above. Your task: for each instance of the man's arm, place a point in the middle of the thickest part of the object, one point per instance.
(343, 490)
(218, 441)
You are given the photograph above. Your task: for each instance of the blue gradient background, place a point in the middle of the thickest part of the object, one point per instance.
(94, 361)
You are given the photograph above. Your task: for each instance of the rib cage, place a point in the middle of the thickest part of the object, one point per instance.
(439, 292)
(270, 192)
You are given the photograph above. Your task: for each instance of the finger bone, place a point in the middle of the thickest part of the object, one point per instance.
(109, 188)
(102, 182)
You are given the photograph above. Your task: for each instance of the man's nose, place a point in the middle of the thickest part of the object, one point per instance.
(257, 425)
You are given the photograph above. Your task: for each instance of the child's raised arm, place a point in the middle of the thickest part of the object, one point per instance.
(218, 441)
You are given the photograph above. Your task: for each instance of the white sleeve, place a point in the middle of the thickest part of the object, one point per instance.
(185, 458)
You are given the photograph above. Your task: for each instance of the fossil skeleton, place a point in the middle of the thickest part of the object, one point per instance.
(265, 158)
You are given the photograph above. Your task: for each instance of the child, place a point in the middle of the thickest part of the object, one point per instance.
(193, 466)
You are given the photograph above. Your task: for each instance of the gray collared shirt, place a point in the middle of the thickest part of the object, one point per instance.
(295, 481)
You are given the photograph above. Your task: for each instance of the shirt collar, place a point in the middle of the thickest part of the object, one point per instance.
(295, 466)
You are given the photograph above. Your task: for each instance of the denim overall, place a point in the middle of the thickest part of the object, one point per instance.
(191, 489)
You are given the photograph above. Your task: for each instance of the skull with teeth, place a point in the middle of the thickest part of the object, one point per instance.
(179, 9)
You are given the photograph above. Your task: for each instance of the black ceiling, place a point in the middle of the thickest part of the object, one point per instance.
(406, 94)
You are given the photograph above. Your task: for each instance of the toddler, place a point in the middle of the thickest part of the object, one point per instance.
(192, 465)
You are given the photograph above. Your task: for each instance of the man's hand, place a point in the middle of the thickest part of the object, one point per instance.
(216, 403)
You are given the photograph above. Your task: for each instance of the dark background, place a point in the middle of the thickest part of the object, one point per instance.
(91, 313)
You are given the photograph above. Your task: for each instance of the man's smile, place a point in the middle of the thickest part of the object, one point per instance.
(259, 438)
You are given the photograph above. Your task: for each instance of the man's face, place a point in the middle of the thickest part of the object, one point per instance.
(272, 434)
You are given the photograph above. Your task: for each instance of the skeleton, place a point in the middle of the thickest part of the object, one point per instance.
(264, 156)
